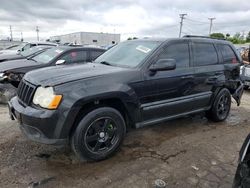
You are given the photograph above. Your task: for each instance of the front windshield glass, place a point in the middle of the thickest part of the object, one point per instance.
(48, 55)
(31, 51)
(128, 54)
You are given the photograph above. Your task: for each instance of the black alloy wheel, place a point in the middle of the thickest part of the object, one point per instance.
(99, 134)
(221, 106)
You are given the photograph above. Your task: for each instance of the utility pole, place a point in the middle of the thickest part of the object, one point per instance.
(11, 37)
(21, 36)
(37, 33)
(211, 25)
(182, 16)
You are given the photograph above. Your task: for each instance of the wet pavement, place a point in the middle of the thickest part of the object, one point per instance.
(188, 152)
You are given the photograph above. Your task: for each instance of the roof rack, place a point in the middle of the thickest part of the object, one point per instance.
(197, 36)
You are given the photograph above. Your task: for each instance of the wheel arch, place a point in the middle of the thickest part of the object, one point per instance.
(81, 108)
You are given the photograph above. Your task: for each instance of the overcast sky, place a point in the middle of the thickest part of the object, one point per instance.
(157, 18)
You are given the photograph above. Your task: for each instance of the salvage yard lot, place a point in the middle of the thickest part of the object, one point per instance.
(188, 152)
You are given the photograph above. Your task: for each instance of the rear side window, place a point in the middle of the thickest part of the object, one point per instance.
(205, 54)
(75, 57)
(227, 53)
(179, 52)
(95, 54)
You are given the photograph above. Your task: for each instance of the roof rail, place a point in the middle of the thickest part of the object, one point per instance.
(197, 36)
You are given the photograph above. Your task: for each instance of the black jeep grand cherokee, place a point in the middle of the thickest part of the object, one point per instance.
(135, 83)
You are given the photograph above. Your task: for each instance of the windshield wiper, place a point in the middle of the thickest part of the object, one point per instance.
(31, 59)
(105, 63)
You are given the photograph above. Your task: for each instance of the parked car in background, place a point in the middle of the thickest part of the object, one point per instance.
(134, 84)
(242, 175)
(12, 47)
(245, 75)
(13, 71)
(24, 54)
(24, 46)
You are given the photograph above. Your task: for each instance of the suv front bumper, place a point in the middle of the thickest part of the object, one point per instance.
(37, 124)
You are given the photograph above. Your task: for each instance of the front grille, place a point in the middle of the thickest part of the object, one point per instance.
(25, 92)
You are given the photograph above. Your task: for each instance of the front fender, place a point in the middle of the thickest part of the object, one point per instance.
(77, 97)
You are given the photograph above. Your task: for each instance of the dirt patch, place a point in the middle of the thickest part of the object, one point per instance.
(188, 152)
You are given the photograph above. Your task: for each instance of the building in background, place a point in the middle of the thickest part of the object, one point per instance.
(88, 38)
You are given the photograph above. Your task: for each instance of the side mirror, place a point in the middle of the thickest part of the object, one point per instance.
(60, 62)
(163, 65)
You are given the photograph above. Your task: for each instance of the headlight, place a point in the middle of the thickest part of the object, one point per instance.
(46, 98)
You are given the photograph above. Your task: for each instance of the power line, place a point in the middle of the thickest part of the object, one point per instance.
(182, 16)
(211, 25)
(196, 21)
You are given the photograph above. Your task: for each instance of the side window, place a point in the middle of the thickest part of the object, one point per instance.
(179, 52)
(95, 54)
(75, 57)
(205, 54)
(227, 53)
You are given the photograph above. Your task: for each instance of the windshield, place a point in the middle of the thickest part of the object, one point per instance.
(48, 55)
(128, 54)
(31, 51)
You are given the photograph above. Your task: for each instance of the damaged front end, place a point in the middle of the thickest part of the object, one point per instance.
(13, 78)
(3, 77)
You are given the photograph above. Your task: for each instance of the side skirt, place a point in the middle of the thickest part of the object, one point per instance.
(159, 120)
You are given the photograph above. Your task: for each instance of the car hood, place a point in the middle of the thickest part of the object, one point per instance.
(57, 75)
(8, 56)
(14, 64)
(8, 52)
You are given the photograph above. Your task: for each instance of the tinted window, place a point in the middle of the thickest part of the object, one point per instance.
(95, 54)
(179, 52)
(227, 53)
(205, 54)
(75, 57)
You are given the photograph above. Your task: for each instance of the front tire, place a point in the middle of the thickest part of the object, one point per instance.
(221, 106)
(99, 134)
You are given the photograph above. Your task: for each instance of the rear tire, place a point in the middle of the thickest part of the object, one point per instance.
(99, 134)
(221, 106)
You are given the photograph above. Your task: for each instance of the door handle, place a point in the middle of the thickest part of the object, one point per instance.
(187, 77)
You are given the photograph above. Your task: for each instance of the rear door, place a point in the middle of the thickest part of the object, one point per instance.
(208, 72)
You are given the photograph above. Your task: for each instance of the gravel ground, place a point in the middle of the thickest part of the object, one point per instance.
(188, 152)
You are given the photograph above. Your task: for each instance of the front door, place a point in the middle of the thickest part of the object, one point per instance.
(175, 88)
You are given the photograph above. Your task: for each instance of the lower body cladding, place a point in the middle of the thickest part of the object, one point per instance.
(37, 124)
